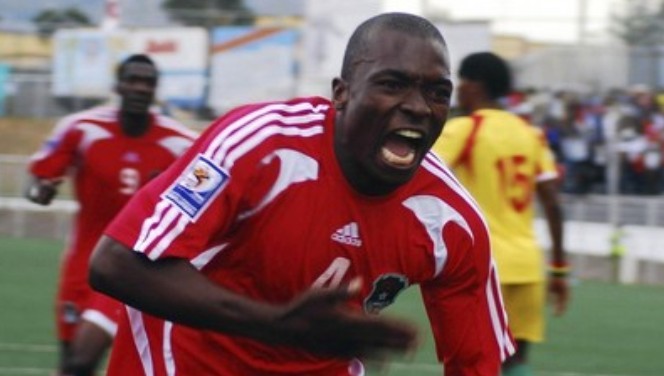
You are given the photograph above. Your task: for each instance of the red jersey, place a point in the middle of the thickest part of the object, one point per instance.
(260, 206)
(107, 167)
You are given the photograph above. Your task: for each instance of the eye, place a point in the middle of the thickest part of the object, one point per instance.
(392, 84)
(148, 81)
(439, 93)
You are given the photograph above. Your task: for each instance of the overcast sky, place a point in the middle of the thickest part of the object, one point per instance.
(25, 9)
(545, 20)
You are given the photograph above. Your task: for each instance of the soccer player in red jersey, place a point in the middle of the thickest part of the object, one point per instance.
(505, 162)
(270, 247)
(109, 152)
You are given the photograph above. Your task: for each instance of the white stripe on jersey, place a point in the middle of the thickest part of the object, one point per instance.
(167, 348)
(439, 169)
(149, 223)
(172, 124)
(295, 167)
(166, 240)
(498, 315)
(169, 362)
(163, 222)
(242, 122)
(258, 125)
(140, 340)
(510, 349)
(176, 144)
(65, 124)
(224, 142)
(101, 320)
(91, 133)
(139, 332)
(434, 214)
(103, 114)
(206, 256)
(264, 134)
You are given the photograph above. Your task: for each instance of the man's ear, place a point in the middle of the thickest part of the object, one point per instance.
(339, 93)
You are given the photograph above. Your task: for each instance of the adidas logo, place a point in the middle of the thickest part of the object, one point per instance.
(348, 234)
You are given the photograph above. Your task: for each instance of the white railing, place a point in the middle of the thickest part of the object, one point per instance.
(590, 221)
(642, 244)
(14, 177)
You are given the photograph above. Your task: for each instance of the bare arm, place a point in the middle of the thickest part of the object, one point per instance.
(317, 321)
(547, 192)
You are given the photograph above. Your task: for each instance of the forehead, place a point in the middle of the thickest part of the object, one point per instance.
(139, 69)
(395, 50)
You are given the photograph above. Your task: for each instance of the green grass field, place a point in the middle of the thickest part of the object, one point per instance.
(610, 330)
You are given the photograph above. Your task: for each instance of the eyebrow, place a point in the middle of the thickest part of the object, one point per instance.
(402, 75)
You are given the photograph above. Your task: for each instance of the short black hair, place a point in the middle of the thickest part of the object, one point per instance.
(490, 70)
(407, 23)
(135, 58)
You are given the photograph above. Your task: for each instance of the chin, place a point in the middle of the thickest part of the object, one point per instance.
(395, 176)
(137, 111)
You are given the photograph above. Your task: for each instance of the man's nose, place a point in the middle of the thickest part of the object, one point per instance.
(415, 102)
(143, 86)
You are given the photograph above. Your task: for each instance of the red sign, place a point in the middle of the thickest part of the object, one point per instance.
(156, 47)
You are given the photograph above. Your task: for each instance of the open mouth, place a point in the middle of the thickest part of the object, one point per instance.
(137, 104)
(400, 147)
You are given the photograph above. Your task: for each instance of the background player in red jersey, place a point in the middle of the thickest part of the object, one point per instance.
(503, 161)
(111, 152)
(249, 250)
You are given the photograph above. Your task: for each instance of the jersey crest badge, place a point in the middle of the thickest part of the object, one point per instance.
(385, 290)
(197, 186)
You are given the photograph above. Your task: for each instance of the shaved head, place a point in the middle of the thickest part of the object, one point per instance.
(361, 39)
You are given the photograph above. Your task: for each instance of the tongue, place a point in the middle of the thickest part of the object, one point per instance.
(398, 147)
(398, 152)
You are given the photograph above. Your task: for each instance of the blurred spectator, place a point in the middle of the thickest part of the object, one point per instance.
(593, 133)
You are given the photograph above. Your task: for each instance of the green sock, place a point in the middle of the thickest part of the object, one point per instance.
(518, 370)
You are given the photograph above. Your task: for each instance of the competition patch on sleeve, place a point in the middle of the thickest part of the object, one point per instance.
(196, 188)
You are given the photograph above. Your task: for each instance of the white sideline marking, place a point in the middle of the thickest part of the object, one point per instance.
(27, 347)
(25, 371)
(22, 204)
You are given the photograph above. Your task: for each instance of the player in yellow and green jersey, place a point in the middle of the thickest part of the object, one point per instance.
(504, 162)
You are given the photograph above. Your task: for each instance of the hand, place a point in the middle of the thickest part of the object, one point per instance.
(42, 191)
(320, 322)
(559, 294)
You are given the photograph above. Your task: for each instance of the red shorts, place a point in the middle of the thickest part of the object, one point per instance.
(104, 312)
(76, 300)
(72, 298)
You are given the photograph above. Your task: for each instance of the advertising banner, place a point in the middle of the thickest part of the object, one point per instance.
(251, 64)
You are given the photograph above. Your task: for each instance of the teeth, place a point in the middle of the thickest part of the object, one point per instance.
(409, 134)
(405, 160)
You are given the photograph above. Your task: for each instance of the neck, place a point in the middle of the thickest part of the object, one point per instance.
(134, 125)
(357, 177)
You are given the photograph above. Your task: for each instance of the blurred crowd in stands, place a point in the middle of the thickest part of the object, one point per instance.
(594, 134)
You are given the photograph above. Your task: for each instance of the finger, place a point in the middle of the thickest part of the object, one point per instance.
(355, 286)
(345, 292)
(369, 338)
(393, 334)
